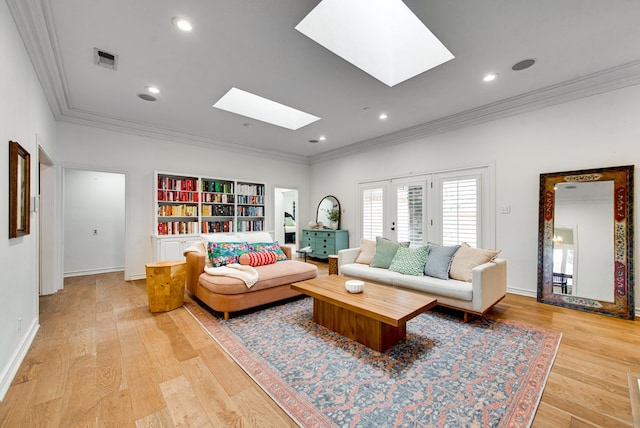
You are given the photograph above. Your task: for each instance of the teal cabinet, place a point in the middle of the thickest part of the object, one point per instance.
(325, 242)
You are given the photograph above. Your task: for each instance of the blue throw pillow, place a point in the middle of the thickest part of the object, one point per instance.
(439, 260)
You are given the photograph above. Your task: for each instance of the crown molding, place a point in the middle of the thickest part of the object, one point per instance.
(79, 117)
(34, 23)
(599, 82)
(32, 18)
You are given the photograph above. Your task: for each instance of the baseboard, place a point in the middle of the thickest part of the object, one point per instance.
(137, 276)
(93, 271)
(522, 292)
(9, 372)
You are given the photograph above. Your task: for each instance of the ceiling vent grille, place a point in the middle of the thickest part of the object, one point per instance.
(105, 59)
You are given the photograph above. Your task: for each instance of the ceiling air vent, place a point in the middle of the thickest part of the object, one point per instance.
(105, 59)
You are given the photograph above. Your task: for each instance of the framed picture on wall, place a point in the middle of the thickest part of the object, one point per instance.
(19, 190)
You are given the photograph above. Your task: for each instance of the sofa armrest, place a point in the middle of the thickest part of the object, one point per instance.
(348, 255)
(195, 268)
(287, 251)
(489, 284)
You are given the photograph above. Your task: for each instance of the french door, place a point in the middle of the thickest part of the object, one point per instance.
(446, 208)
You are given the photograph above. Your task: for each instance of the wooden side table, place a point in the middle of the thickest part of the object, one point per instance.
(165, 285)
(333, 265)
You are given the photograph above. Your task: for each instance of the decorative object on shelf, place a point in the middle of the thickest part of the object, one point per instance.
(354, 285)
(334, 218)
(329, 205)
(587, 215)
(19, 190)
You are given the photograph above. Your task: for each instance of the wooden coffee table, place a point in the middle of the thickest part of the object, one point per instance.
(377, 317)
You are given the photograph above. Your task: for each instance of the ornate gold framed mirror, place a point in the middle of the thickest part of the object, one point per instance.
(586, 242)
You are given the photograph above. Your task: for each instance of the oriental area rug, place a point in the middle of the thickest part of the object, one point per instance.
(445, 373)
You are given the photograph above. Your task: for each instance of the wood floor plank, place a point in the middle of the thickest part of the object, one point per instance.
(183, 404)
(219, 406)
(101, 358)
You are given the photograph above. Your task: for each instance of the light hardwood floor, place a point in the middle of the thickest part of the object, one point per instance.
(102, 359)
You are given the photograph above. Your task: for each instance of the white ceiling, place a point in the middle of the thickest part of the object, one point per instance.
(581, 47)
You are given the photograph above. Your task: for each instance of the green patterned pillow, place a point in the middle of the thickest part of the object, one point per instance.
(410, 261)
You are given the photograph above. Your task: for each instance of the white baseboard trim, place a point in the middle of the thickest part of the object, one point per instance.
(9, 372)
(137, 276)
(522, 292)
(93, 271)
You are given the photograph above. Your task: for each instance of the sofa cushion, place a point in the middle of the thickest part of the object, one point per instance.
(285, 272)
(358, 270)
(467, 258)
(367, 250)
(268, 246)
(258, 258)
(439, 260)
(410, 261)
(385, 251)
(223, 253)
(459, 290)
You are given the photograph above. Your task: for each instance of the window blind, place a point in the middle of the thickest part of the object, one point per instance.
(372, 212)
(460, 211)
(409, 216)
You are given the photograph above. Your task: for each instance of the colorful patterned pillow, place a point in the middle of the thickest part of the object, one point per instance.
(268, 246)
(410, 261)
(258, 259)
(224, 253)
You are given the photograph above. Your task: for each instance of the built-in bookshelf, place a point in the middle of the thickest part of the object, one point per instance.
(189, 205)
(250, 207)
(177, 204)
(186, 206)
(217, 205)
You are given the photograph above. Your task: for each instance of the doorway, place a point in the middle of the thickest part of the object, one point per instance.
(286, 224)
(94, 222)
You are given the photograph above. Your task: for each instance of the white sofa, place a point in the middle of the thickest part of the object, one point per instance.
(488, 287)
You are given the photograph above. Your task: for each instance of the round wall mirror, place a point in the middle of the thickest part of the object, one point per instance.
(329, 212)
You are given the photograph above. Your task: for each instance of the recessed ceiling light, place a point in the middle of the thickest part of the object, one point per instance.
(153, 89)
(256, 107)
(146, 97)
(383, 116)
(322, 138)
(490, 77)
(523, 65)
(182, 23)
(384, 38)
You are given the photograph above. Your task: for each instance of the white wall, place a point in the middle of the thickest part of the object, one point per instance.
(93, 201)
(24, 112)
(597, 131)
(138, 157)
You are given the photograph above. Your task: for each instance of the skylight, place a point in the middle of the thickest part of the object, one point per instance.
(382, 37)
(256, 107)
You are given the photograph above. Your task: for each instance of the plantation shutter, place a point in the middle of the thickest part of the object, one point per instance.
(372, 212)
(460, 211)
(409, 200)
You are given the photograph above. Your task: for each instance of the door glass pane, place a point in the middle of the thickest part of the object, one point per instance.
(372, 213)
(460, 211)
(409, 200)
